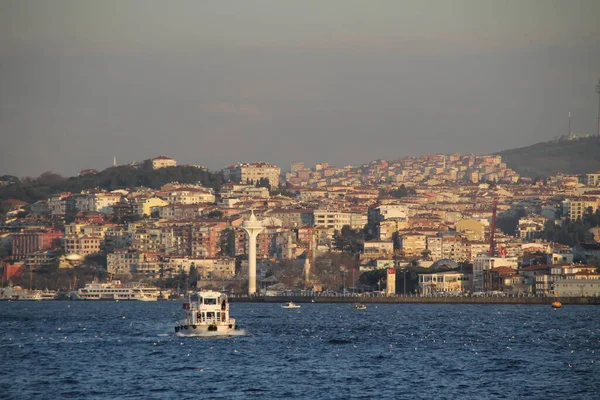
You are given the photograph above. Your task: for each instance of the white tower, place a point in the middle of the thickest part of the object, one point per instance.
(253, 227)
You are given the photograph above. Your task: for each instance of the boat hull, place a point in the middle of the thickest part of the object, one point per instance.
(206, 330)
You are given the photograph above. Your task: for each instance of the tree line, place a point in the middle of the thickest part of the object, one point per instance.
(31, 190)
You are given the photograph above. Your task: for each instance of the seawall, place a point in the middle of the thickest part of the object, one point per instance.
(432, 300)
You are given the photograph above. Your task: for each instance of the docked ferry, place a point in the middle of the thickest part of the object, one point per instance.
(207, 316)
(18, 293)
(115, 290)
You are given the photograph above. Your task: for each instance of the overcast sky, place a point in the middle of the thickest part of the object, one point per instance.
(344, 82)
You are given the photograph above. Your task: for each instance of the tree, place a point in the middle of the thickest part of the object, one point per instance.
(228, 244)
(402, 191)
(348, 240)
(373, 278)
(34, 189)
(215, 214)
(264, 182)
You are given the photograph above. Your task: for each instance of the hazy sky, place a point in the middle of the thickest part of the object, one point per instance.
(346, 82)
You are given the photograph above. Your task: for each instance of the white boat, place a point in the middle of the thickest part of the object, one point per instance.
(116, 291)
(10, 293)
(35, 295)
(49, 294)
(359, 306)
(18, 293)
(291, 304)
(207, 316)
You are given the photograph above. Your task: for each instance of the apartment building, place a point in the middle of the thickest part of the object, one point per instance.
(189, 196)
(577, 207)
(82, 245)
(33, 241)
(253, 172)
(145, 206)
(412, 244)
(330, 219)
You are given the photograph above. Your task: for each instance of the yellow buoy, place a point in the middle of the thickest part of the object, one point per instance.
(556, 304)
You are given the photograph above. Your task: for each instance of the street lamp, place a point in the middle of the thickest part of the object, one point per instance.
(404, 280)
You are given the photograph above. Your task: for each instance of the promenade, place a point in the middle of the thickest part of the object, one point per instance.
(418, 299)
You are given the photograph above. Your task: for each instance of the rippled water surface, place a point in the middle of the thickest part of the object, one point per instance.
(128, 350)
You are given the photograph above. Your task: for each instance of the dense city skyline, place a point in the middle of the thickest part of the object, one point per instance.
(214, 84)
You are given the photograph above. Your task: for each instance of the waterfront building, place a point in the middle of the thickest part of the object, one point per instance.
(445, 282)
(578, 285)
(483, 263)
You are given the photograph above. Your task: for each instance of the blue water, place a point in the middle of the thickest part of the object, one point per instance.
(128, 350)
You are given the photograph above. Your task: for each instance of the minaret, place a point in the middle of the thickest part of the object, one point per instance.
(115, 161)
(253, 227)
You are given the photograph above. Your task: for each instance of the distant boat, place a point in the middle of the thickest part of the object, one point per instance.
(116, 291)
(359, 306)
(291, 304)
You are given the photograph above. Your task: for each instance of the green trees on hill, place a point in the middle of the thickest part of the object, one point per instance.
(402, 191)
(572, 232)
(32, 190)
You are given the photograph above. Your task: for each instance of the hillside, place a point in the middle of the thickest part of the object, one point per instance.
(110, 179)
(549, 158)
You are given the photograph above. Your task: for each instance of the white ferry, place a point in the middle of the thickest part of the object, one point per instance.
(207, 316)
(18, 293)
(116, 291)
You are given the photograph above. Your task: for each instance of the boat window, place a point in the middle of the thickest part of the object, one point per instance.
(210, 315)
(210, 301)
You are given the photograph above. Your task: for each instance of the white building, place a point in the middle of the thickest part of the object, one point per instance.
(162, 162)
(331, 219)
(253, 172)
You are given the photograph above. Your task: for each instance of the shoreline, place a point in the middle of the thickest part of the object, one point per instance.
(421, 300)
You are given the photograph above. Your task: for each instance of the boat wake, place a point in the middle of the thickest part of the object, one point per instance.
(238, 332)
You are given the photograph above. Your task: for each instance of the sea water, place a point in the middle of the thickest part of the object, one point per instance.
(129, 350)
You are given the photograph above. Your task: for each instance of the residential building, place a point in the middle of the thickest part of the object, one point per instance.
(162, 162)
(412, 244)
(145, 206)
(483, 263)
(82, 245)
(253, 173)
(33, 241)
(331, 219)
